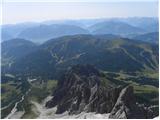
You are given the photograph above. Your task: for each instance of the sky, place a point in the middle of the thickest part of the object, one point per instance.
(15, 11)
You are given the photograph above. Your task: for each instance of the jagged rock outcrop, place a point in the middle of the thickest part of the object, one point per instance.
(80, 89)
(127, 108)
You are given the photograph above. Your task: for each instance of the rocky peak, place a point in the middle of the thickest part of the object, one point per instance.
(84, 70)
(80, 89)
(127, 108)
(79, 75)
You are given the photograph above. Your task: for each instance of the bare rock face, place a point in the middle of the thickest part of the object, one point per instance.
(80, 90)
(127, 108)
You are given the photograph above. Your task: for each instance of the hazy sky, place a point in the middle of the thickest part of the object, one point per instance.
(14, 11)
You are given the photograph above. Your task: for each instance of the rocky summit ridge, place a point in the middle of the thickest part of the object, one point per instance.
(80, 89)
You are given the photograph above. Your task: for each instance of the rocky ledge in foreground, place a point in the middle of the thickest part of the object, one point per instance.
(81, 90)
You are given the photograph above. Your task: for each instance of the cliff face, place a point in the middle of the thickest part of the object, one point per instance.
(127, 108)
(81, 89)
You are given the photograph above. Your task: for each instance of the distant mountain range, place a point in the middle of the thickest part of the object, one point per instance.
(106, 67)
(152, 37)
(115, 27)
(41, 32)
(109, 53)
(45, 32)
(11, 31)
(149, 24)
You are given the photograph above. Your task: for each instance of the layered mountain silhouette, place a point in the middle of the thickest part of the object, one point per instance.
(148, 37)
(114, 27)
(109, 53)
(11, 31)
(43, 31)
(104, 66)
(149, 24)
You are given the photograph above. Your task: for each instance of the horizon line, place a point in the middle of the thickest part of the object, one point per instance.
(96, 18)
